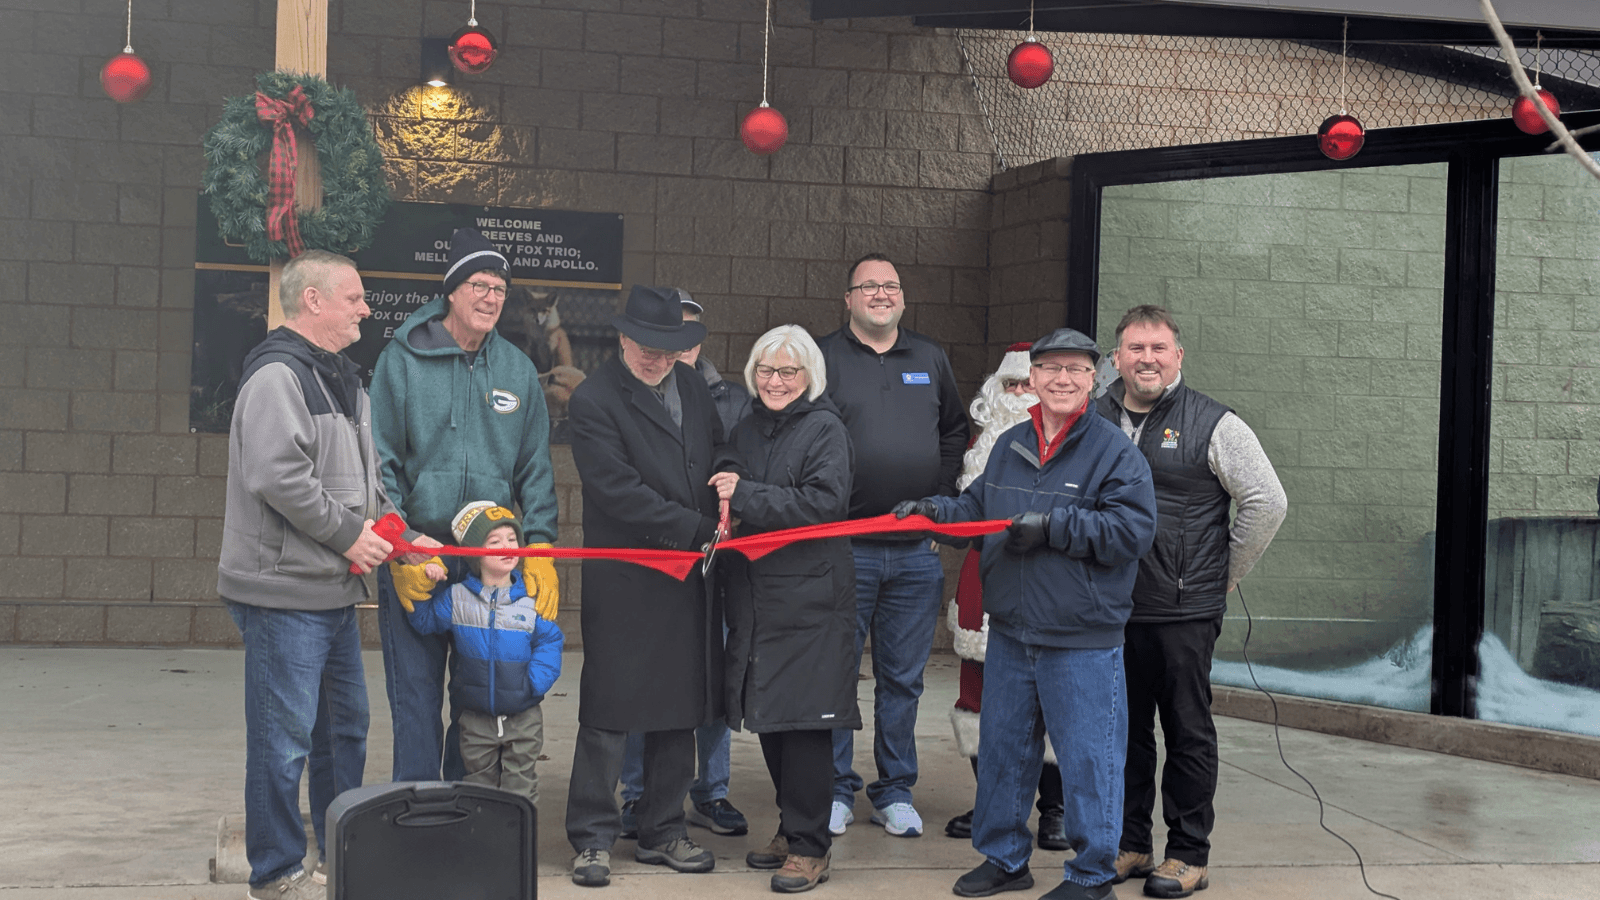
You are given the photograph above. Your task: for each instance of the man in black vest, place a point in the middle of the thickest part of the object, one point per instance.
(1203, 458)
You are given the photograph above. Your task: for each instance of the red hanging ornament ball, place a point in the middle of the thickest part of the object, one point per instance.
(1527, 117)
(473, 49)
(1341, 136)
(125, 77)
(764, 130)
(1030, 64)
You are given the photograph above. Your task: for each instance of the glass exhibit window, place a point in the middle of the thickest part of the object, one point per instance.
(1539, 658)
(1311, 304)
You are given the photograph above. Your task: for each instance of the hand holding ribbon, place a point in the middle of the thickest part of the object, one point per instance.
(679, 563)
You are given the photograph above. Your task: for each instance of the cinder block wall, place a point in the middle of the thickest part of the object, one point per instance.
(110, 508)
(1543, 452)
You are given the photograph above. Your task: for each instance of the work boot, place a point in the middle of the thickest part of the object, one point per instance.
(800, 873)
(1132, 865)
(772, 856)
(1175, 878)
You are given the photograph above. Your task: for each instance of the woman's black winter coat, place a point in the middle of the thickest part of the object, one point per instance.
(791, 662)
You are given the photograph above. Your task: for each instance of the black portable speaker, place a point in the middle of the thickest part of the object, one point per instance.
(431, 840)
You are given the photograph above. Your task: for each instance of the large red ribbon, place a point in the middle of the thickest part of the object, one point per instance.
(679, 563)
(282, 224)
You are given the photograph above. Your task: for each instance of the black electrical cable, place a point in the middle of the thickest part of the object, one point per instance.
(1322, 809)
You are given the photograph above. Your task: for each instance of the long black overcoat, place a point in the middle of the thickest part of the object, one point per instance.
(792, 613)
(652, 644)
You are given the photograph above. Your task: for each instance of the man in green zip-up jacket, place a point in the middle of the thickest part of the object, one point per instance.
(458, 415)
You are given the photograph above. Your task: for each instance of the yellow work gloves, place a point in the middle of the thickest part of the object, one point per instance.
(411, 584)
(539, 574)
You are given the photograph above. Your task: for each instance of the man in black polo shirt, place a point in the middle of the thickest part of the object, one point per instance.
(897, 393)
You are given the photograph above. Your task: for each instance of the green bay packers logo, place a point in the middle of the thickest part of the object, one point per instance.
(503, 401)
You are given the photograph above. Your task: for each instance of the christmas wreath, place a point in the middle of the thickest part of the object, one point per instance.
(258, 211)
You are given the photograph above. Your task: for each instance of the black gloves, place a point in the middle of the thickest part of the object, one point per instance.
(1028, 532)
(914, 508)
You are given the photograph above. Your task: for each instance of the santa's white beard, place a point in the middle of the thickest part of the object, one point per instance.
(994, 410)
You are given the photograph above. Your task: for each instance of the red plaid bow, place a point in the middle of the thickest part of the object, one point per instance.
(282, 225)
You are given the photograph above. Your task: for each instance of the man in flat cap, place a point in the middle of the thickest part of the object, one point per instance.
(644, 433)
(1058, 588)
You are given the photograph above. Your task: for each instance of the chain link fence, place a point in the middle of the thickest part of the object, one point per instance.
(1125, 92)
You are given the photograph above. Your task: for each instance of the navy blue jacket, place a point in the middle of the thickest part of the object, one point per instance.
(1078, 591)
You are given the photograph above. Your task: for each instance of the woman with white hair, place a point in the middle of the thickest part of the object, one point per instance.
(791, 673)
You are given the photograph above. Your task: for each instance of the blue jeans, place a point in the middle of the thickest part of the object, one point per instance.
(712, 746)
(413, 677)
(899, 588)
(1078, 697)
(305, 698)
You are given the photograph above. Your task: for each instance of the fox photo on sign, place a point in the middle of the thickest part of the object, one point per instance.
(566, 272)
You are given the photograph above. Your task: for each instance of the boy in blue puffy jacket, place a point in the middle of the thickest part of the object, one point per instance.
(506, 656)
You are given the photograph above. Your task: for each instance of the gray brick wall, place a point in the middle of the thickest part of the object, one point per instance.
(110, 509)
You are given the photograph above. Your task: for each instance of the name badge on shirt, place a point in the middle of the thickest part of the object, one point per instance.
(915, 378)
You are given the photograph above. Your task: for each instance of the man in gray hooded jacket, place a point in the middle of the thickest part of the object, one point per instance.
(303, 491)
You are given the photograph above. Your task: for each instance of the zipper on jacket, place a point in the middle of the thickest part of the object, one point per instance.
(493, 606)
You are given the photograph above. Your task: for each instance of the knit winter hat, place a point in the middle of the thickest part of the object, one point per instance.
(471, 252)
(1014, 365)
(472, 524)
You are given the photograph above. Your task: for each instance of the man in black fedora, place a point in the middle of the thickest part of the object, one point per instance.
(644, 432)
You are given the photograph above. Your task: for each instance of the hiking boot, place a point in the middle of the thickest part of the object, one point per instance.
(681, 854)
(296, 886)
(1053, 831)
(1132, 865)
(772, 856)
(899, 819)
(800, 873)
(840, 818)
(989, 879)
(592, 868)
(960, 826)
(1175, 878)
(630, 820)
(718, 815)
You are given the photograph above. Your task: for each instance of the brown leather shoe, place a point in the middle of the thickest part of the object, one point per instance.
(1132, 865)
(771, 856)
(800, 873)
(1175, 878)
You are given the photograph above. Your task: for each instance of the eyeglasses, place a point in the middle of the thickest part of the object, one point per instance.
(1011, 384)
(481, 289)
(655, 355)
(786, 373)
(869, 288)
(1052, 370)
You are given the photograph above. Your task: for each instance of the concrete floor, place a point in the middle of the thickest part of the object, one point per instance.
(120, 763)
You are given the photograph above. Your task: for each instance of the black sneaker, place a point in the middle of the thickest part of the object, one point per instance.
(630, 822)
(960, 826)
(1053, 831)
(989, 879)
(719, 816)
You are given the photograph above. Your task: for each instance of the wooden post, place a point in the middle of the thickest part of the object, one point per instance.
(302, 48)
